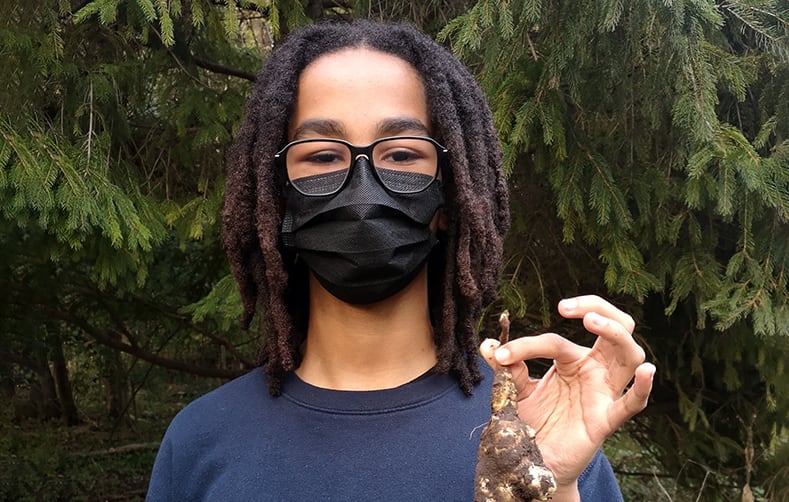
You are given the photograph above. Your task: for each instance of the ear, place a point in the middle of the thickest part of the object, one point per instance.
(443, 221)
(440, 222)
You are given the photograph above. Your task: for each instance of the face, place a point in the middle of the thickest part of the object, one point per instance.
(359, 95)
(364, 242)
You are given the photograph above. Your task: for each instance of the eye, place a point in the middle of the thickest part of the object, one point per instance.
(323, 154)
(323, 158)
(411, 154)
(400, 156)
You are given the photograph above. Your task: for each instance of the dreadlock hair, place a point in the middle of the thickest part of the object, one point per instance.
(463, 269)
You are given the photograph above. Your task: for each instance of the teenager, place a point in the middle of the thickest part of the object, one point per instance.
(364, 218)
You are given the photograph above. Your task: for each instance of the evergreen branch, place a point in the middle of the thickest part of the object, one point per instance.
(90, 120)
(68, 15)
(175, 58)
(169, 312)
(186, 320)
(80, 6)
(531, 47)
(750, 24)
(773, 15)
(133, 447)
(122, 328)
(222, 69)
(644, 474)
(604, 175)
(150, 357)
(206, 65)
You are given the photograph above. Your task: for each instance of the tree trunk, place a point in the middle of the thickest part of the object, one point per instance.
(42, 399)
(116, 385)
(7, 382)
(63, 384)
(43, 395)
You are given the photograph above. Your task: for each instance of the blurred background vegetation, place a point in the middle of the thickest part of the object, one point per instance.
(648, 150)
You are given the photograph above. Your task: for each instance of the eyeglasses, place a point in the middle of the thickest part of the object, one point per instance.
(402, 164)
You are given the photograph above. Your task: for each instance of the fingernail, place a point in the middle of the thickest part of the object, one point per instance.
(598, 320)
(502, 355)
(491, 344)
(570, 304)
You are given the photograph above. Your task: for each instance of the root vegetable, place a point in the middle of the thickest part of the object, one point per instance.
(510, 466)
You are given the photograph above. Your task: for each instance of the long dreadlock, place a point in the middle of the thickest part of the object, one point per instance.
(463, 270)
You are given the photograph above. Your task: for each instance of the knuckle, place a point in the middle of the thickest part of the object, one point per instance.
(641, 356)
(629, 323)
(555, 339)
(589, 301)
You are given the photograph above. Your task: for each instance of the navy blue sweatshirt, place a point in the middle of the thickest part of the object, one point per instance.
(415, 442)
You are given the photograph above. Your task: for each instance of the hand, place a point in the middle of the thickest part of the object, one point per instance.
(581, 400)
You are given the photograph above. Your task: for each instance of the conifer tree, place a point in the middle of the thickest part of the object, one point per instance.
(112, 138)
(648, 151)
(657, 135)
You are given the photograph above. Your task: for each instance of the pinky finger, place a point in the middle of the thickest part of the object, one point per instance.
(635, 399)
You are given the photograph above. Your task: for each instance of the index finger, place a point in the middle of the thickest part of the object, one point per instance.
(544, 346)
(579, 306)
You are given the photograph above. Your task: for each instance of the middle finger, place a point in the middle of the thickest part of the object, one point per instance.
(615, 348)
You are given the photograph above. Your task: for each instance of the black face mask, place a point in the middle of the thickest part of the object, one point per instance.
(363, 244)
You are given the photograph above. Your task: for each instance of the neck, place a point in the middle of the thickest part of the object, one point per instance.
(368, 347)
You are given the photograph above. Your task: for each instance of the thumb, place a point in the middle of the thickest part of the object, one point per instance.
(487, 349)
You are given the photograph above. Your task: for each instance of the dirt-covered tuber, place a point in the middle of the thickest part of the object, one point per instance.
(509, 463)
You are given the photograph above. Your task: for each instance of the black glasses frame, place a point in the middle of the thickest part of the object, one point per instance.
(360, 151)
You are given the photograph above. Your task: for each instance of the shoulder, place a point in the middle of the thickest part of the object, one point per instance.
(199, 430)
(246, 386)
(222, 406)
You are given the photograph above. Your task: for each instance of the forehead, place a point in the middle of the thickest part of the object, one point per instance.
(358, 88)
(360, 58)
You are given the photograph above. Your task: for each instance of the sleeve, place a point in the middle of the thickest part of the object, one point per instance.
(159, 487)
(597, 482)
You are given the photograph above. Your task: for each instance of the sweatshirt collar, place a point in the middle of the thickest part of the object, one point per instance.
(420, 391)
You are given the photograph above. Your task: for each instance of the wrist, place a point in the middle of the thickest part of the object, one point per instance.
(566, 493)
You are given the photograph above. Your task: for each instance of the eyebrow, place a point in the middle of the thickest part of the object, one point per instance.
(333, 129)
(399, 125)
(321, 127)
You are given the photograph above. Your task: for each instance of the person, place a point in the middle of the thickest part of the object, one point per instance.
(364, 218)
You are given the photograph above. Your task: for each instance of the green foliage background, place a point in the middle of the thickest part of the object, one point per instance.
(648, 150)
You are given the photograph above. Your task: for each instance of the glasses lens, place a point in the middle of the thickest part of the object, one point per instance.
(318, 167)
(405, 165)
(321, 167)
